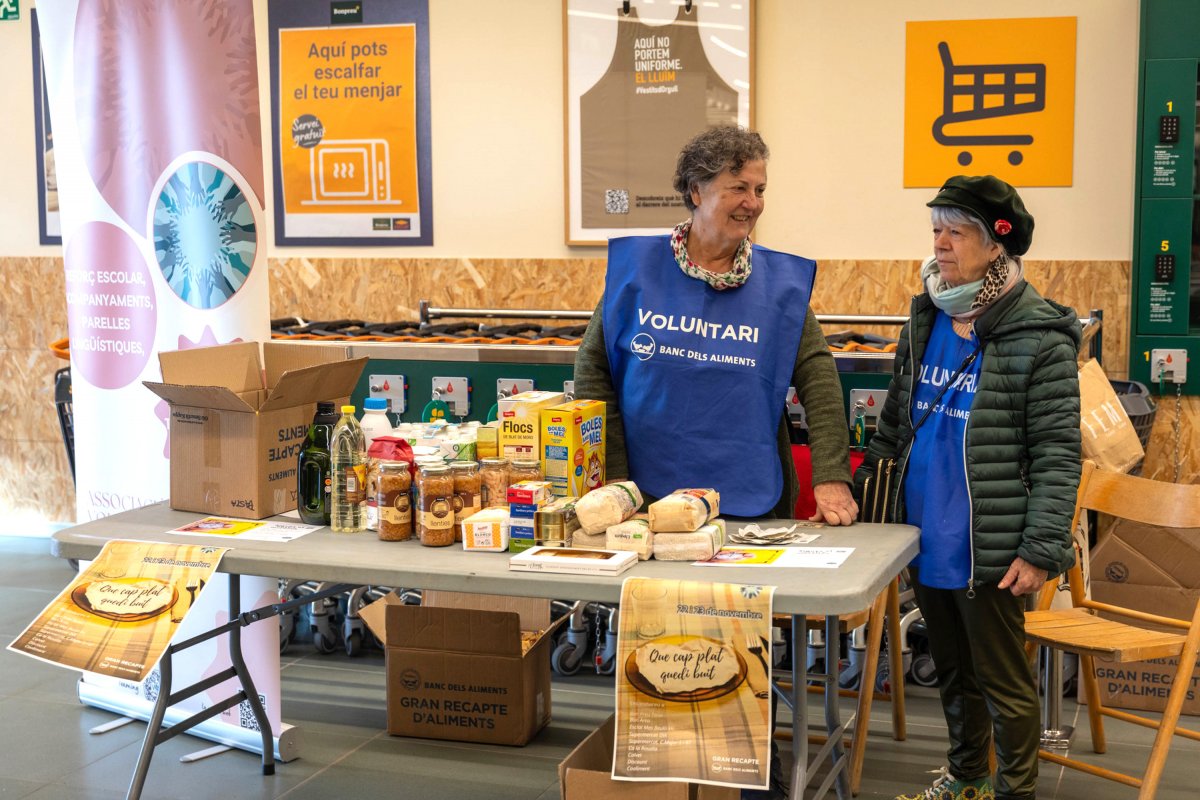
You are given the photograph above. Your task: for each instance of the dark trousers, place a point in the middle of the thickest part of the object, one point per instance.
(986, 683)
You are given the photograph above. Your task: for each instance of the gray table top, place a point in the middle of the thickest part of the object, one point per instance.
(880, 552)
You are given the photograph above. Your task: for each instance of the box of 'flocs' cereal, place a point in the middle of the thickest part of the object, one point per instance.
(572, 447)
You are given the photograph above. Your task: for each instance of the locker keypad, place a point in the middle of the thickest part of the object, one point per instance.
(1168, 129)
(1164, 268)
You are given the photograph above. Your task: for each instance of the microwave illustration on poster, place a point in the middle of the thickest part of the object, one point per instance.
(351, 172)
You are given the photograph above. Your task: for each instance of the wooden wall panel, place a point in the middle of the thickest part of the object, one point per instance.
(32, 313)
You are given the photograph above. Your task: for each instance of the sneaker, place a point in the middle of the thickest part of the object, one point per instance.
(948, 787)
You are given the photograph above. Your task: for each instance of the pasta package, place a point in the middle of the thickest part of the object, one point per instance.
(633, 534)
(601, 508)
(697, 545)
(684, 510)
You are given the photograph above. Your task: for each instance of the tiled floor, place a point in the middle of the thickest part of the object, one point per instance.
(47, 753)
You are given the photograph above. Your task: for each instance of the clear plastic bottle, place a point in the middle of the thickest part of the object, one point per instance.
(375, 420)
(348, 454)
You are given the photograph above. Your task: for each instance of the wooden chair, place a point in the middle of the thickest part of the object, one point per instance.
(884, 611)
(1081, 629)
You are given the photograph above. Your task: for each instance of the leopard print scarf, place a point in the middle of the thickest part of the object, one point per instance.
(994, 282)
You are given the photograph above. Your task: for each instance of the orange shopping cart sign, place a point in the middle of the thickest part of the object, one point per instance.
(990, 97)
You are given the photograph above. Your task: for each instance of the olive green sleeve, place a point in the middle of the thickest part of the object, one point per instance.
(820, 390)
(593, 381)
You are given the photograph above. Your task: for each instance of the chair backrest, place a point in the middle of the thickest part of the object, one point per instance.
(1167, 505)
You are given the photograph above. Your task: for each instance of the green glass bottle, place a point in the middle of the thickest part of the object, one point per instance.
(314, 477)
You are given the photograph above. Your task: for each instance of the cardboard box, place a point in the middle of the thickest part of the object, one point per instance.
(455, 669)
(1155, 570)
(572, 447)
(586, 774)
(238, 421)
(520, 423)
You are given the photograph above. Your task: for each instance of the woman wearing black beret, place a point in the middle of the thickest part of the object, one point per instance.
(982, 417)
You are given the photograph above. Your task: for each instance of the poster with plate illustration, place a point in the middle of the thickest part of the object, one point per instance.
(693, 683)
(118, 616)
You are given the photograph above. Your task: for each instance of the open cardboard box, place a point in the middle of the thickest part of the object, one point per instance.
(1156, 570)
(586, 774)
(238, 421)
(455, 666)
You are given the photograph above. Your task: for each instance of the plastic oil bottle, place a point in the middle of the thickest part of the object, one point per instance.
(314, 483)
(348, 454)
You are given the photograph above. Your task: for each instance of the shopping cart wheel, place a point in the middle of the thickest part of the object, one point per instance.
(923, 672)
(354, 644)
(322, 644)
(566, 658)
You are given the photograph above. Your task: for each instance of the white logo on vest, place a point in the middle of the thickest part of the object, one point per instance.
(642, 346)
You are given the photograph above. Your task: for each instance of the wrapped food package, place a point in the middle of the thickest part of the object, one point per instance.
(601, 508)
(695, 545)
(633, 534)
(589, 541)
(684, 510)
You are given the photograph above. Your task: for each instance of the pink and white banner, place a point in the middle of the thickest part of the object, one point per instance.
(158, 150)
(160, 177)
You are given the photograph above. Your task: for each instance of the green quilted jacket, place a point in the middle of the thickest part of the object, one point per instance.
(1022, 445)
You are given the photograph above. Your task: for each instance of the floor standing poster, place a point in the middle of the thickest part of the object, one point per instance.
(639, 84)
(158, 155)
(693, 683)
(350, 113)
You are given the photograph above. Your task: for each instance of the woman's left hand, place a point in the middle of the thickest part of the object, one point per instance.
(835, 504)
(1023, 578)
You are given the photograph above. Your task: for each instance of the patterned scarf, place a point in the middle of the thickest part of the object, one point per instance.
(966, 302)
(736, 276)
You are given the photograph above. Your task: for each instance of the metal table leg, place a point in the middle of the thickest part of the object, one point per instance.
(801, 768)
(155, 735)
(1055, 736)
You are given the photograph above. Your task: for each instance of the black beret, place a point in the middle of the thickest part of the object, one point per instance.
(994, 202)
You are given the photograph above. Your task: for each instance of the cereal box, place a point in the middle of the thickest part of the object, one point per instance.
(519, 426)
(572, 444)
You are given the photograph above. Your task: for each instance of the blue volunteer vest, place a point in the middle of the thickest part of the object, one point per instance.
(701, 375)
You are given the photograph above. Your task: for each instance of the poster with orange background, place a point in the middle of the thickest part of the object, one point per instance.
(992, 96)
(351, 123)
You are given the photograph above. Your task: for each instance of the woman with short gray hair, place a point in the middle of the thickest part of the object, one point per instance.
(696, 340)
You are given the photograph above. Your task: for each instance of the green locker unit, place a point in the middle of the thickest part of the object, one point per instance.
(1165, 318)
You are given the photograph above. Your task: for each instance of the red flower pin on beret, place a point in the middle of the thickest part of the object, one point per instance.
(1002, 227)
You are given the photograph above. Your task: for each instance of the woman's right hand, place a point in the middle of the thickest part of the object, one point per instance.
(835, 504)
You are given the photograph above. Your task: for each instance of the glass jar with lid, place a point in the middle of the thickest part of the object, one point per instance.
(467, 493)
(393, 499)
(493, 478)
(435, 505)
(524, 469)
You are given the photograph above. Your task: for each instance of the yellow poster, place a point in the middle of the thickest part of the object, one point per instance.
(990, 96)
(348, 131)
(118, 616)
(693, 683)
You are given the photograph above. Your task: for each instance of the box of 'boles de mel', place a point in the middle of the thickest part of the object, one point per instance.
(465, 667)
(238, 420)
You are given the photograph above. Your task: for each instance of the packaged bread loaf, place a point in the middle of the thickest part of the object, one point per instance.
(633, 534)
(684, 510)
(696, 545)
(589, 541)
(601, 508)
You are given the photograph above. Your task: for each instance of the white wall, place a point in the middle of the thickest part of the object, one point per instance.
(829, 103)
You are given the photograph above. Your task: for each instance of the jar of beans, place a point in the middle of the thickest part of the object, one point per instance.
(435, 505)
(467, 492)
(393, 499)
(493, 475)
(524, 470)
